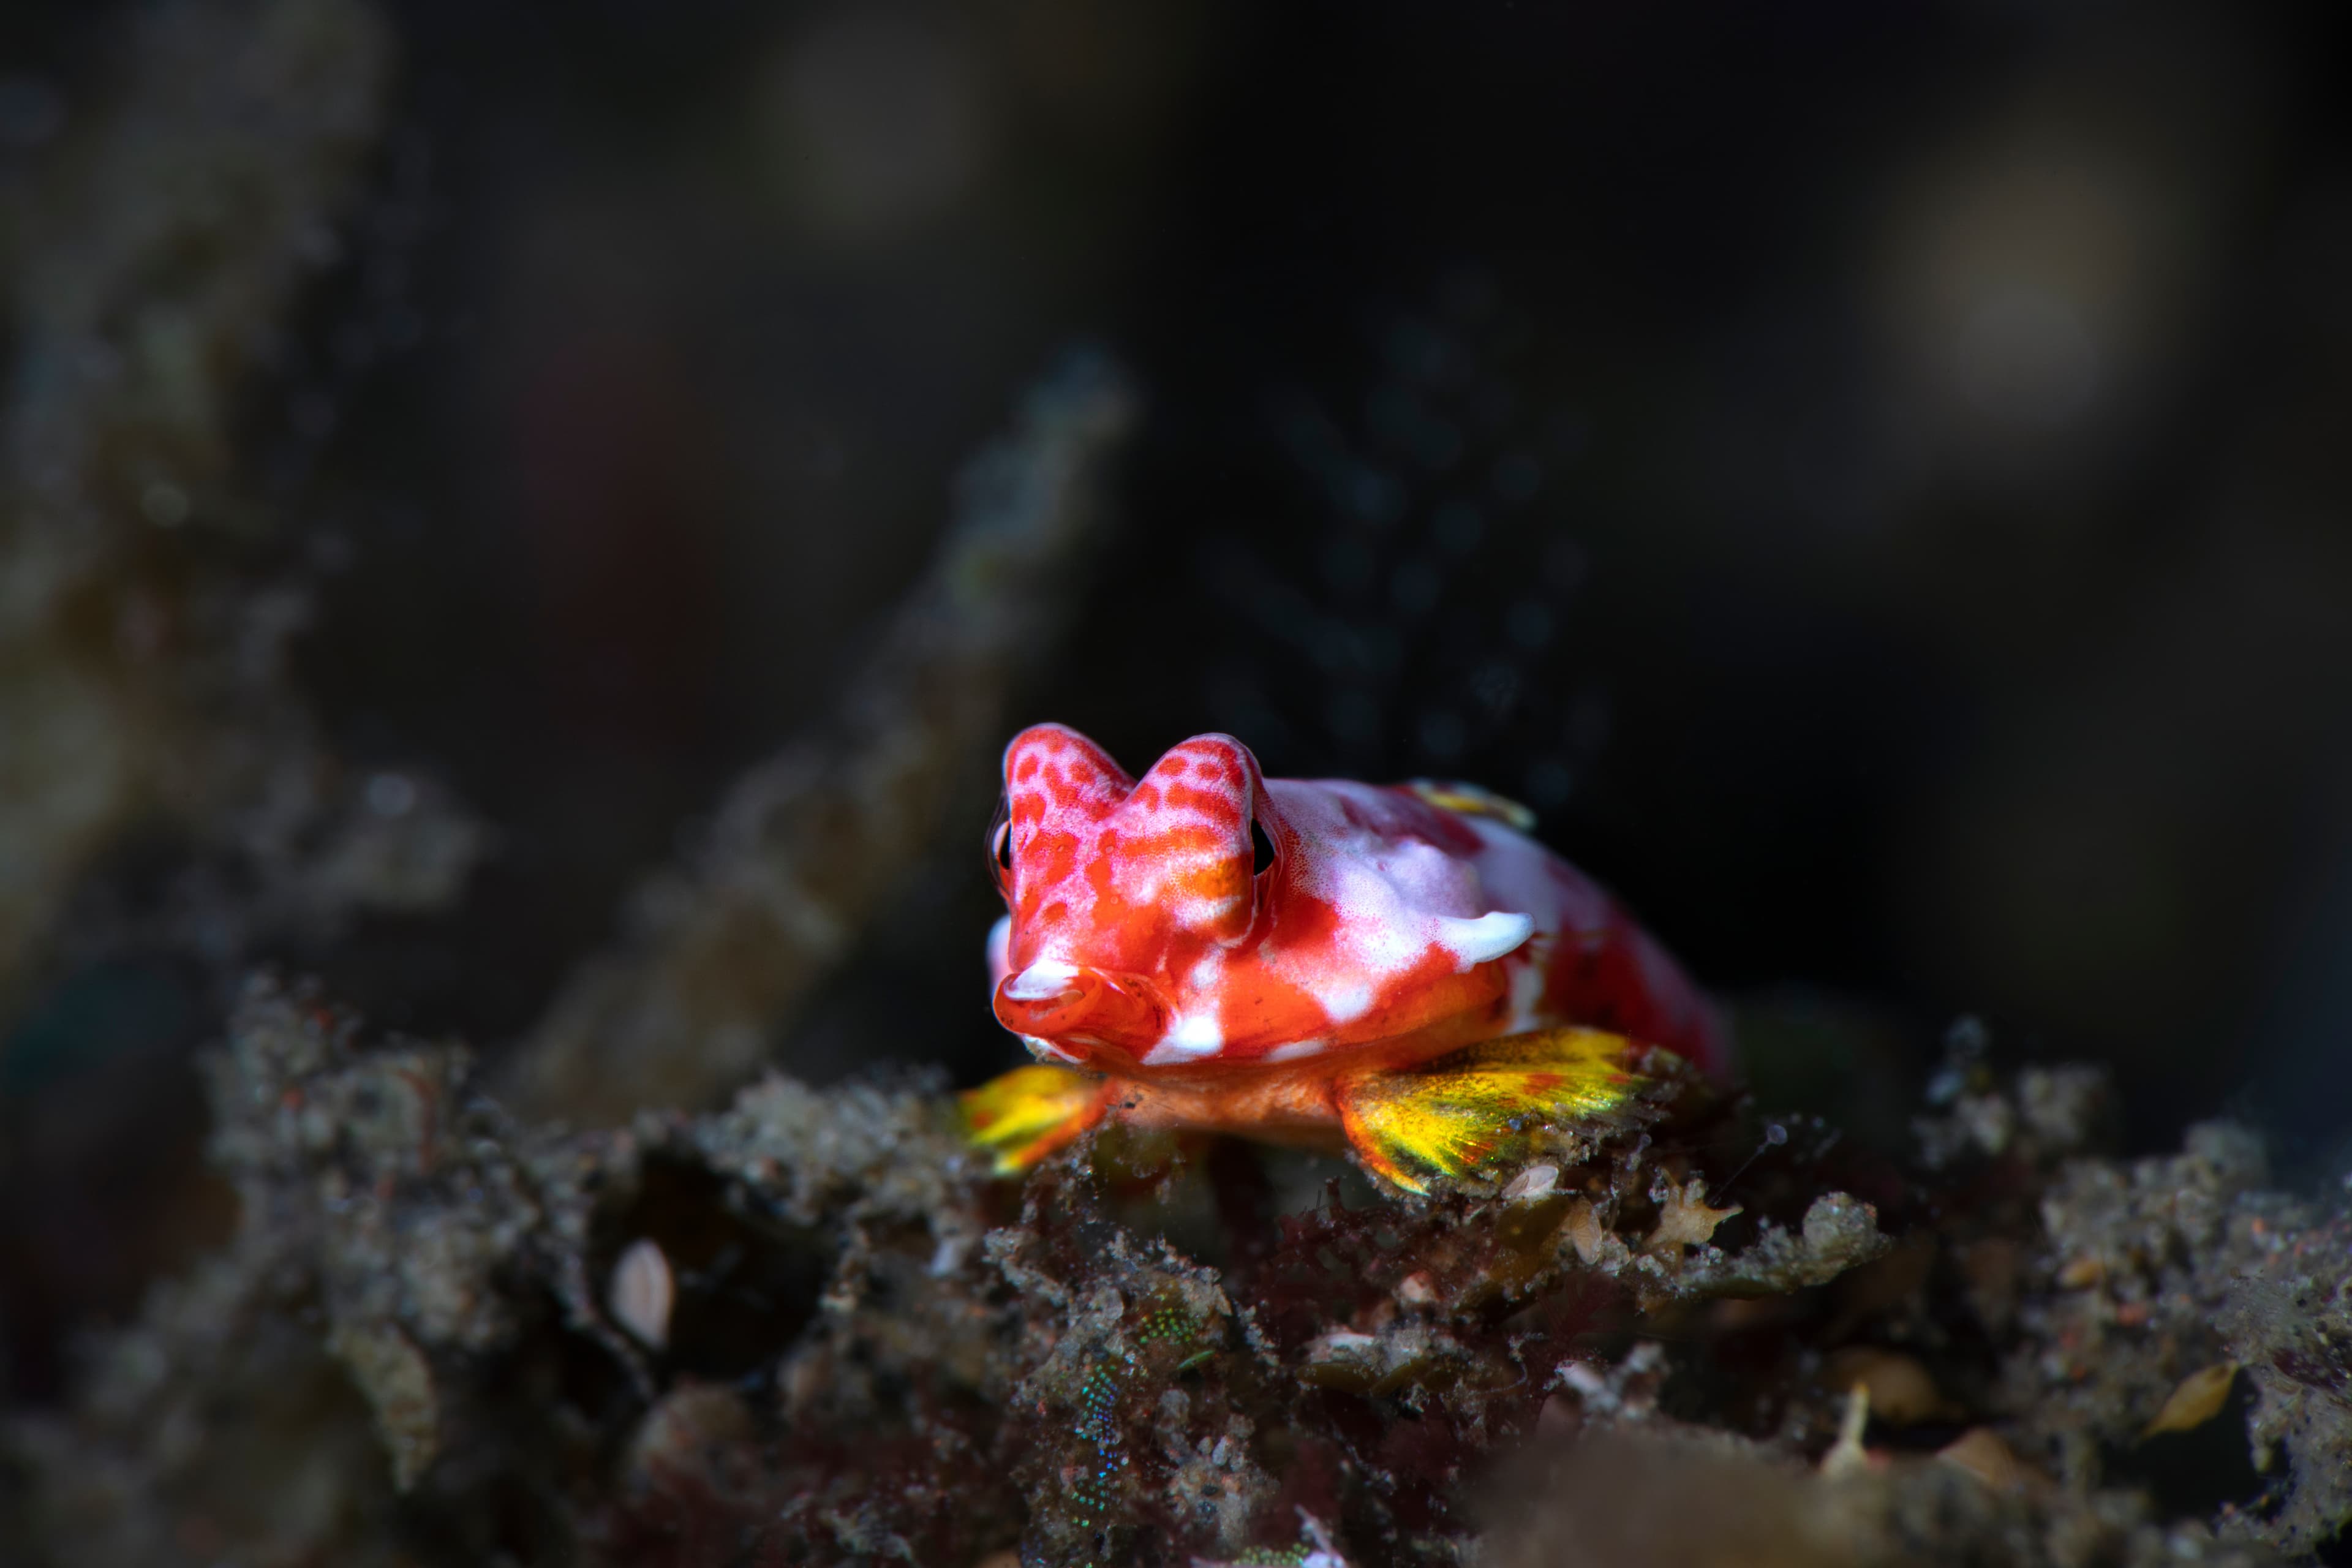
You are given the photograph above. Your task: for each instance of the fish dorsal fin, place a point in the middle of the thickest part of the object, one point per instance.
(1472, 800)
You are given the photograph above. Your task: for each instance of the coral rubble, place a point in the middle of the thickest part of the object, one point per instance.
(810, 1327)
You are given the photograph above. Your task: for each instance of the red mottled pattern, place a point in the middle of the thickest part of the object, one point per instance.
(1149, 935)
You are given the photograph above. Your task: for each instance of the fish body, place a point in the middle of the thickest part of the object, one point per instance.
(1206, 947)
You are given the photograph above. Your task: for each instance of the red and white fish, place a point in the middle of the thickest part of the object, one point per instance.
(1315, 960)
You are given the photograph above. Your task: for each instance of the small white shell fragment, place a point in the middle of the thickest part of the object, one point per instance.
(1535, 1182)
(642, 1292)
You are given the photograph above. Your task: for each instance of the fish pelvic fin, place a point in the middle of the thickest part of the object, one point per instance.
(1021, 1116)
(1492, 1103)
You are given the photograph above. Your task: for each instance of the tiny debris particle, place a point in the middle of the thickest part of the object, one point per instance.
(642, 1292)
(2198, 1400)
(1901, 1391)
(681, 1432)
(1847, 1455)
(1534, 1183)
(1980, 1452)
(1585, 1230)
(1684, 1219)
(2081, 1274)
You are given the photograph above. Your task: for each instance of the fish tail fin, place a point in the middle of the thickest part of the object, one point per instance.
(1492, 1101)
(1023, 1115)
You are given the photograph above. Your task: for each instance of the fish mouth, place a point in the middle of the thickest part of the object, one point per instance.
(1083, 1011)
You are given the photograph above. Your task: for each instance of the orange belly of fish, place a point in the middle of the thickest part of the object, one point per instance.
(1283, 1106)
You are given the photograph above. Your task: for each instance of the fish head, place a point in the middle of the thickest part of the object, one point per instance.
(1125, 895)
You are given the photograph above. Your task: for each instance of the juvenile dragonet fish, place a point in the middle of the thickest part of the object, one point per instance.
(1399, 969)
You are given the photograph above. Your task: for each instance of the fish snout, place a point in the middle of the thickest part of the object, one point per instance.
(1074, 1007)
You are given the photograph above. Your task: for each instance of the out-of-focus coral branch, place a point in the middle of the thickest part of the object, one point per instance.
(141, 669)
(807, 844)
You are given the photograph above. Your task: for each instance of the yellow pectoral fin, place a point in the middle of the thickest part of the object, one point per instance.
(1465, 1111)
(1024, 1115)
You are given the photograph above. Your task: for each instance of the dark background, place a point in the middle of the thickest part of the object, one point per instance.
(1875, 478)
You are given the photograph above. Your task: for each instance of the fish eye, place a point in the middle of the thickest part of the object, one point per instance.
(1261, 850)
(1000, 842)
